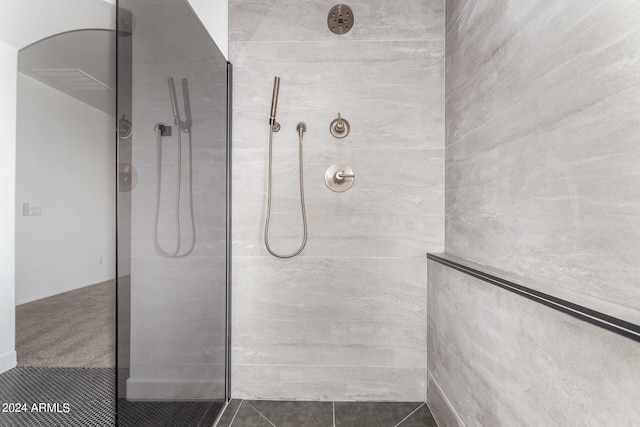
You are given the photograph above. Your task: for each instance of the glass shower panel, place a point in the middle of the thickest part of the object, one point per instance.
(172, 222)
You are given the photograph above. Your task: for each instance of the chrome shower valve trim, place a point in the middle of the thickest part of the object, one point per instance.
(339, 177)
(339, 127)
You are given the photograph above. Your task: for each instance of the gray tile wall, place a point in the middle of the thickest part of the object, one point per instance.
(541, 182)
(542, 153)
(345, 319)
(503, 360)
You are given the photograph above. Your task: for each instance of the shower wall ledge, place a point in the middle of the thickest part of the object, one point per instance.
(613, 317)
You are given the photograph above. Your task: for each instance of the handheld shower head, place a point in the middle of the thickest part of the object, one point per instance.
(187, 100)
(274, 104)
(174, 103)
(186, 125)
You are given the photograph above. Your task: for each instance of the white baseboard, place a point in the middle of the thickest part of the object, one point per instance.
(144, 389)
(8, 361)
(440, 407)
(32, 298)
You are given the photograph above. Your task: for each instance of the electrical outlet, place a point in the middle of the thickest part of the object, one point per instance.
(28, 210)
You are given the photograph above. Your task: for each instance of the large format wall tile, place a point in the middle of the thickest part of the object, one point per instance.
(453, 10)
(343, 320)
(329, 311)
(306, 20)
(503, 360)
(497, 56)
(345, 383)
(394, 208)
(541, 158)
(390, 92)
(541, 127)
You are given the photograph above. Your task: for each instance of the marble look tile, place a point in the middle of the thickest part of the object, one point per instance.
(575, 296)
(178, 320)
(486, 32)
(545, 187)
(501, 359)
(453, 10)
(353, 383)
(499, 52)
(547, 199)
(414, 194)
(393, 209)
(390, 92)
(306, 20)
(329, 311)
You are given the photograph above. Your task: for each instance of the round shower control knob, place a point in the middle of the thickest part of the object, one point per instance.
(339, 127)
(125, 128)
(339, 177)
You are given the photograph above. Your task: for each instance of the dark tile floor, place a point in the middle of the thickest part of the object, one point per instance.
(264, 413)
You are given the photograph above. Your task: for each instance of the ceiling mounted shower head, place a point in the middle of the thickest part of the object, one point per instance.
(340, 19)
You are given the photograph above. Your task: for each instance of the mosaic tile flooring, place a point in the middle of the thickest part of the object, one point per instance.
(89, 394)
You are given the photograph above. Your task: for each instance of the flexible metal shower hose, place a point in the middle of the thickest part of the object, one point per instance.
(176, 253)
(304, 213)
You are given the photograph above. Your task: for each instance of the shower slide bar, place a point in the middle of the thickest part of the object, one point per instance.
(610, 323)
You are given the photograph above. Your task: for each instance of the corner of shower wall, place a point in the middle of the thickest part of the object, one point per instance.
(539, 160)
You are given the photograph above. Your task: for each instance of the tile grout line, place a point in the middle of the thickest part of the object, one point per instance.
(333, 403)
(332, 366)
(328, 41)
(414, 411)
(260, 413)
(234, 415)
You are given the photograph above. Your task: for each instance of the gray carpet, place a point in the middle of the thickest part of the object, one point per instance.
(75, 329)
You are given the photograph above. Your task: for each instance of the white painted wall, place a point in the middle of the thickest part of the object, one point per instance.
(27, 21)
(214, 15)
(66, 165)
(23, 23)
(8, 71)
